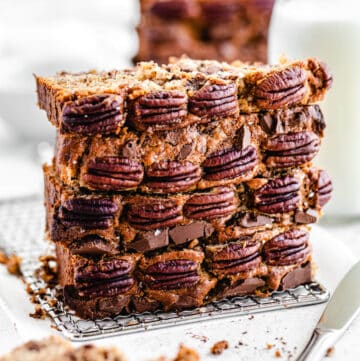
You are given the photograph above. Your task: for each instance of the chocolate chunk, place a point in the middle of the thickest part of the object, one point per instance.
(243, 137)
(271, 122)
(150, 240)
(185, 150)
(246, 287)
(296, 277)
(307, 217)
(184, 233)
(249, 220)
(92, 245)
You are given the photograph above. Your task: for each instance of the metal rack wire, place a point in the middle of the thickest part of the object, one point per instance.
(21, 232)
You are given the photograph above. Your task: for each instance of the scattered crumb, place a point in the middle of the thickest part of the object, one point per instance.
(3, 257)
(39, 313)
(330, 351)
(201, 338)
(186, 354)
(239, 344)
(251, 317)
(48, 270)
(244, 333)
(219, 347)
(11, 262)
(269, 346)
(277, 354)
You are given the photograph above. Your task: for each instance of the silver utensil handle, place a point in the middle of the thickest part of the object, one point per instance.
(321, 340)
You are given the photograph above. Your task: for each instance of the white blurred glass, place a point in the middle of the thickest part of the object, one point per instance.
(329, 30)
(44, 37)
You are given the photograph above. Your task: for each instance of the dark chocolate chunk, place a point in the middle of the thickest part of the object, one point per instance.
(243, 137)
(307, 217)
(185, 150)
(249, 220)
(150, 240)
(187, 232)
(296, 277)
(245, 287)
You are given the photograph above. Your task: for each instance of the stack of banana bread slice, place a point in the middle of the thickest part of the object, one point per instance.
(218, 29)
(175, 185)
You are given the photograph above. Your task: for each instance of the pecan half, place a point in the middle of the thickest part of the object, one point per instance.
(101, 113)
(172, 176)
(172, 274)
(230, 163)
(324, 190)
(161, 110)
(215, 100)
(290, 247)
(105, 278)
(280, 89)
(234, 257)
(89, 213)
(173, 9)
(278, 195)
(152, 213)
(219, 203)
(113, 173)
(291, 149)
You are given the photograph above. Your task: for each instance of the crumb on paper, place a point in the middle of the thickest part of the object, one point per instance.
(330, 351)
(277, 354)
(13, 265)
(186, 354)
(39, 313)
(3, 257)
(201, 338)
(219, 347)
(269, 346)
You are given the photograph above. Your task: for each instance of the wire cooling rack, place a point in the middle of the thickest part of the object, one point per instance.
(21, 232)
